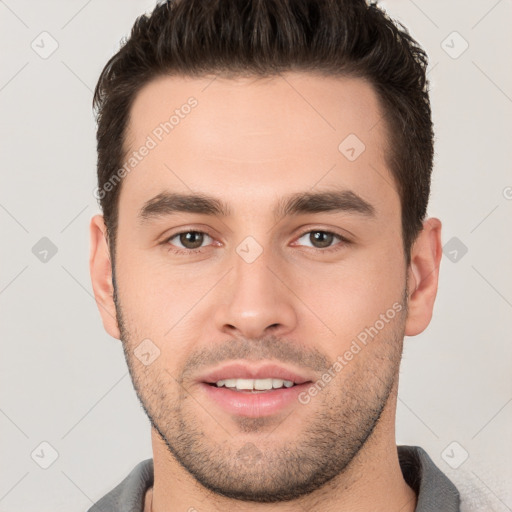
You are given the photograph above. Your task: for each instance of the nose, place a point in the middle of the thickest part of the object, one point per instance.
(257, 300)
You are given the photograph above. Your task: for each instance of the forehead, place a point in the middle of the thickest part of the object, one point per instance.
(255, 138)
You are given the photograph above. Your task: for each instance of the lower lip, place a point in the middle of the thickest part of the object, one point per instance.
(253, 405)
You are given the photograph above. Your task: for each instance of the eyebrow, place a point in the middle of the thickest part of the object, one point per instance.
(167, 203)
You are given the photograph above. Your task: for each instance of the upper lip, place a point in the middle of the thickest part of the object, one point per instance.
(246, 371)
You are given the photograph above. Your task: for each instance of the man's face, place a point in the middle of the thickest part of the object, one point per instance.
(278, 292)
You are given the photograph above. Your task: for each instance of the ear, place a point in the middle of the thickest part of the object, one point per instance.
(101, 275)
(423, 274)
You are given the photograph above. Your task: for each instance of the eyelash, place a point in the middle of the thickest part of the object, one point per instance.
(199, 250)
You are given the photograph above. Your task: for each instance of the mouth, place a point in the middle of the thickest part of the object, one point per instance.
(244, 390)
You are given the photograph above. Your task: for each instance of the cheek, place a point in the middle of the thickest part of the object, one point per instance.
(158, 299)
(349, 298)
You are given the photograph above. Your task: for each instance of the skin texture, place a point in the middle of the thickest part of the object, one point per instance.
(251, 142)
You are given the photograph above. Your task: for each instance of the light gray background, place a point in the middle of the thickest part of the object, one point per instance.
(64, 381)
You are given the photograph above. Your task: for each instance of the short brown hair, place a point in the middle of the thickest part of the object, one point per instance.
(264, 38)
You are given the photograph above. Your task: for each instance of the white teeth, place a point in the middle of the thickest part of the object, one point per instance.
(263, 384)
(255, 384)
(277, 383)
(244, 384)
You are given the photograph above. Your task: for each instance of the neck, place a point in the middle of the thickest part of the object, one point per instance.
(373, 481)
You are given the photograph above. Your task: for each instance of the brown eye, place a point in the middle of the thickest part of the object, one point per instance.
(188, 240)
(192, 239)
(321, 239)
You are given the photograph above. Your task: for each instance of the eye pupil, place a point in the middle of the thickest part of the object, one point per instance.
(321, 237)
(191, 239)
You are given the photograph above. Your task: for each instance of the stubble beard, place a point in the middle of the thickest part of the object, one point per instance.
(256, 461)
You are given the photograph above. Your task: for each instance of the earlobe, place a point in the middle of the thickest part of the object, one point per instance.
(423, 277)
(101, 275)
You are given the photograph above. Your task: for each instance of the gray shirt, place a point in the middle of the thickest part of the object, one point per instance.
(435, 491)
